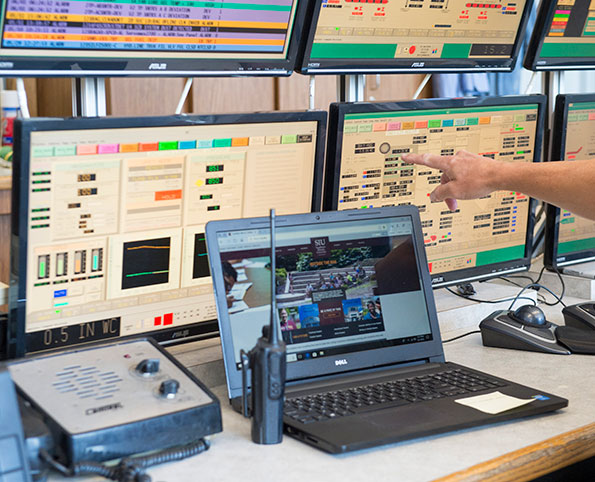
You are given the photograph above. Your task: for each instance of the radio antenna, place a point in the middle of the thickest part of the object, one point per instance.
(273, 333)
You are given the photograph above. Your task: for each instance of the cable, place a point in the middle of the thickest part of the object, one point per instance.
(540, 297)
(559, 300)
(461, 336)
(490, 301)
(537, 285)
(22, 96)
(508, 277)
(530, 82)
(129, 469)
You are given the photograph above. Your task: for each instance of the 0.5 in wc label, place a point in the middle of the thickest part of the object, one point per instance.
(73, 334)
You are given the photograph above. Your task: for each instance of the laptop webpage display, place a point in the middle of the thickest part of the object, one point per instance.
(341, 287)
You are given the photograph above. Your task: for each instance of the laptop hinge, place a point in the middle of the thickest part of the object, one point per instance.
(437, 359)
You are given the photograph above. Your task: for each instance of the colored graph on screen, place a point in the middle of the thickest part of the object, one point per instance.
(145, 263)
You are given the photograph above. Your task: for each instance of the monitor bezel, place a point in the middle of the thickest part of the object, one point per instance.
(16, 335)
(551, 259)
(422, 351)
(532, 55)
(333, 167)
(125, 64)
(417, 65)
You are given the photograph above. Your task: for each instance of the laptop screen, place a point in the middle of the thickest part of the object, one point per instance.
(341, 287)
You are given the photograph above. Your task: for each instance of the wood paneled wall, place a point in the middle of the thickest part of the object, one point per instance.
(160, 96)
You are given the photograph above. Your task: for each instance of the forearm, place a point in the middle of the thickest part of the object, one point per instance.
(569, 185)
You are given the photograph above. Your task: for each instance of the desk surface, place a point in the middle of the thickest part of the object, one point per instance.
(233, 456)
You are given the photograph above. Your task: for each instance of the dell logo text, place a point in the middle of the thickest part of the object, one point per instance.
(340, 362)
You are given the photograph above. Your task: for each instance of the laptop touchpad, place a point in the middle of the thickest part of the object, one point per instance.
(413, 417)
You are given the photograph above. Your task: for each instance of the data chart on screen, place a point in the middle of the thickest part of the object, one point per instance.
(116, 219)
(423, 30)
(480, 232)
(147, 35)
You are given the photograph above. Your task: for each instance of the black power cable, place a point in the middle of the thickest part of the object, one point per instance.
(129, 469)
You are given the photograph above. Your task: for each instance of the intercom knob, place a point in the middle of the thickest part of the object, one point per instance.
(148, 367)
(169, 388)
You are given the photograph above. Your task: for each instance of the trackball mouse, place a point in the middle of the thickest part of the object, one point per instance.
(529, 315)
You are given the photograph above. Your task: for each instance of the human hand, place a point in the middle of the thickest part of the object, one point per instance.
(464, 175)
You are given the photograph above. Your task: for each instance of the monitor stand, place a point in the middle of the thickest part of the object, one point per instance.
(579, 280)
(456, 313)
(88, 97)
(351, 88)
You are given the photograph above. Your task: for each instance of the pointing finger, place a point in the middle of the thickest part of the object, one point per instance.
(434, 161)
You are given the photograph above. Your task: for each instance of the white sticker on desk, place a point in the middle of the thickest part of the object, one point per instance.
(493, 403)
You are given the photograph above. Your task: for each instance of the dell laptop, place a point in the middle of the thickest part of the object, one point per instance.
(365, 364)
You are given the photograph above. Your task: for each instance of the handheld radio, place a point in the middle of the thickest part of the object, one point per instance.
(268, 364)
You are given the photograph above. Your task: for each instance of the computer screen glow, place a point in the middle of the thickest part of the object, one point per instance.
(480, 232)
(577, 233)
(162, 33)
(116, 220)
(361, 34)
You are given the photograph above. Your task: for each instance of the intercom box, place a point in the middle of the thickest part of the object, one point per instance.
(111, 400)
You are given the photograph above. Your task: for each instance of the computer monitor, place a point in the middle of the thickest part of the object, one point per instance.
(386, 36)
(570, 239)
(149, 37)
(564, 36)
(483, 238)
(109, 215)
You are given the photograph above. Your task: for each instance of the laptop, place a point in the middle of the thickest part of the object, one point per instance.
(365, 364)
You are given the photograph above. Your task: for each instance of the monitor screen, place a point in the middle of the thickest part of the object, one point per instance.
(108, 225)
(361, 36)
(564, 36)
(570, 239)
(482, 238)
(149, 37)
(330, 298)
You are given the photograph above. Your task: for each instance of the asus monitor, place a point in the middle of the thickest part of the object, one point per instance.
(108, 217)
(483, 238)
(149, 38)
(389, 36)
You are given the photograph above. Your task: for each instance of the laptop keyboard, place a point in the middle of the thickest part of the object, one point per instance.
(340, 403)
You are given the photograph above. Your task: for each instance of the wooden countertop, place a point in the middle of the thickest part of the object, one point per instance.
(534, 460)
